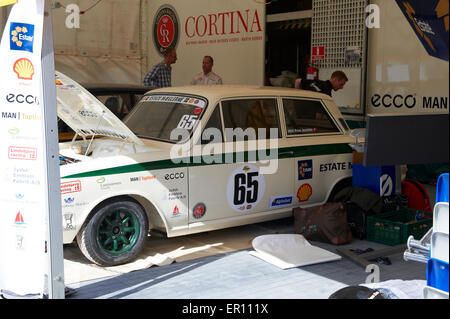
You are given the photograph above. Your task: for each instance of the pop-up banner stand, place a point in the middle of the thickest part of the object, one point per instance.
(23, 179)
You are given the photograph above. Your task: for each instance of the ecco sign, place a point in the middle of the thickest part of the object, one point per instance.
(21, 98)
(397, 101)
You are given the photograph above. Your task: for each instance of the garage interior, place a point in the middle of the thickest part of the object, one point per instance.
(222, 264)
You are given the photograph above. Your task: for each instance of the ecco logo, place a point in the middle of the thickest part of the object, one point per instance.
(21, 98)
(398, 100)
(174, 176)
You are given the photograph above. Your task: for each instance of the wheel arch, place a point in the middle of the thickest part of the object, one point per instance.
(154, 216)
(339, 185)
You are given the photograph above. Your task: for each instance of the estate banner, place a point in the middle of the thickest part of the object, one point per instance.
(23, 182)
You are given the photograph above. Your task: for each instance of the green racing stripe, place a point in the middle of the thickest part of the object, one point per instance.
(226, 158)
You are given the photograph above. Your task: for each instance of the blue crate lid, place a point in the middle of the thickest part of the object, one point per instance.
(437, 274)
(442, 188)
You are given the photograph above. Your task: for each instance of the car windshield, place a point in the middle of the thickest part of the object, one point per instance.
(165, 117)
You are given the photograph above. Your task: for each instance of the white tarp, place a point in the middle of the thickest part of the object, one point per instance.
(289, 251)
(22, 153)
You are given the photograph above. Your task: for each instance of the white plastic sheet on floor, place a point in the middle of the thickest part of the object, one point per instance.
(400, 289)
(289, 251)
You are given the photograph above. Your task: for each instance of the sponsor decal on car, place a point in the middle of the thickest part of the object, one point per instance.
(176, 211)
(199, 211)
(305, 170)
(330, 167)
(177, 175)
(245, 188)
(280, 201)
(304, 193)
(142, 178)
(69, 222)
(71, 187)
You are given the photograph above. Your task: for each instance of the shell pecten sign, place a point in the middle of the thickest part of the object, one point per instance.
(24, 69)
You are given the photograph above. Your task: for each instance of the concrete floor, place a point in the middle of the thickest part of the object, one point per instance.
(223, 253)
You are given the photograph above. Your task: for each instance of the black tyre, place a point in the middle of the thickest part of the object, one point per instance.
(340, 190)
(115, 233)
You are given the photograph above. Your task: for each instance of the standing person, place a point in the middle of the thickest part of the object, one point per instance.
(207, 76)
(161, 74)
(335, 83)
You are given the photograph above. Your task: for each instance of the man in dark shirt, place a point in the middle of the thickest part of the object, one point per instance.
(335, 83)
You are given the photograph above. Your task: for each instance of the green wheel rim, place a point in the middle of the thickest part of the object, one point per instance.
(118, 231)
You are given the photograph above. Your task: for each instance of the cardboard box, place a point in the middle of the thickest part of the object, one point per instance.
(358, 157)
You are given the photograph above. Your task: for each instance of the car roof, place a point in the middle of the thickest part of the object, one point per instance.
(224, 91)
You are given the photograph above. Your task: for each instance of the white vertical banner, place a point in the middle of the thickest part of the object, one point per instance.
(23, 179)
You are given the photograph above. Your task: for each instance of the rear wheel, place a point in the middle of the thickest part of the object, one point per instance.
(115, 233)
(340, 190)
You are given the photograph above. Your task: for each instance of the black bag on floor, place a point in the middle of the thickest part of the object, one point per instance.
(359, 203)
(357, 220)
(325, 223)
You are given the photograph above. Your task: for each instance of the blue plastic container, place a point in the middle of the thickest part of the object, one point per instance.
(379, 179)
(437, 274)
(442, 188)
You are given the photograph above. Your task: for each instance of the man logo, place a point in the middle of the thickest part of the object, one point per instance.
(165, 28)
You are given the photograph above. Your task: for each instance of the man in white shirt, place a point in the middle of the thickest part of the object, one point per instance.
(207, 76)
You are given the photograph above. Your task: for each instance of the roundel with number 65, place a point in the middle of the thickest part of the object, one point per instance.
(245, 188)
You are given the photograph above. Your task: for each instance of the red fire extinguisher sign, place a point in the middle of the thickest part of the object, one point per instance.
(318, 53)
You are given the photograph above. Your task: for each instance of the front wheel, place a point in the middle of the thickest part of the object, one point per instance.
(115, 233)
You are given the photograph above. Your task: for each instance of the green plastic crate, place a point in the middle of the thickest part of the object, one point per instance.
(394, 228)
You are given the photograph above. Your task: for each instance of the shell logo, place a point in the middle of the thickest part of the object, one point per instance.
(304, 192)
(24, 69)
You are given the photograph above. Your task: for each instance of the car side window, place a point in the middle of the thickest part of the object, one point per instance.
(246, 117)
(212, 133)
(307, 117)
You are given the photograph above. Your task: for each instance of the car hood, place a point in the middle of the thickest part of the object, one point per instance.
(85, 114)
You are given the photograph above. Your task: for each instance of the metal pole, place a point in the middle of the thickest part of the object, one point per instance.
(54, 213)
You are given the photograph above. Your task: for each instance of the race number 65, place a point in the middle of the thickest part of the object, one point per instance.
(245, 188)
(187, 122)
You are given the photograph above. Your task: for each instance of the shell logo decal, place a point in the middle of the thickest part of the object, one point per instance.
(24, 69)
(304, 193)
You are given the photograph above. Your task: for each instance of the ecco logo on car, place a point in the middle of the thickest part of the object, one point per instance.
(21, 98)
(174, 176)
(398, 100)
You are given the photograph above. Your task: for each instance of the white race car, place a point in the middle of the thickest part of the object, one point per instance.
(194, 159)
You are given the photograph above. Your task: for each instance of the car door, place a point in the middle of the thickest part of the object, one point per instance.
(321, 157)
(240, 174)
